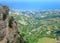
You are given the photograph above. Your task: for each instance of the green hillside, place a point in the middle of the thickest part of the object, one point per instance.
(38, 30)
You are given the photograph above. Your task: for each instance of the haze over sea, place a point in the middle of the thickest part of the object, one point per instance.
(32, 4)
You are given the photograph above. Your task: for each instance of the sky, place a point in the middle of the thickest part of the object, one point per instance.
(32, 4)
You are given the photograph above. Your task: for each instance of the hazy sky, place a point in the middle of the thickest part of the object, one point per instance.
(32, 4)
(31, 0)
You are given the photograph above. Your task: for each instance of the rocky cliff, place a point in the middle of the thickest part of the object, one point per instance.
(8, 27)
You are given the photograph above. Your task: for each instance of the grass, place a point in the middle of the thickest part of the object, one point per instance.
(46, 40)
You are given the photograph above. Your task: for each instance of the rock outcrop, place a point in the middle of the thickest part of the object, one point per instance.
(8, 27)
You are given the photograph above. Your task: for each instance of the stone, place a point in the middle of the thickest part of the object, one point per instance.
(8, 27)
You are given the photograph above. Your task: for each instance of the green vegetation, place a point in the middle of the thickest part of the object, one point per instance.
(38, 31)
(47, 40)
